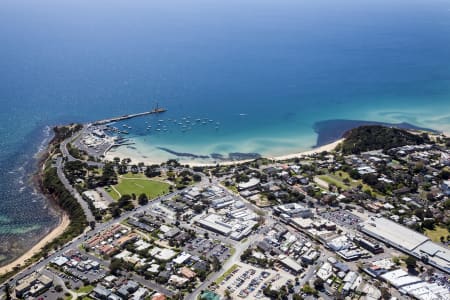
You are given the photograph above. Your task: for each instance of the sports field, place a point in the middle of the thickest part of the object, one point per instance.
(138, 186)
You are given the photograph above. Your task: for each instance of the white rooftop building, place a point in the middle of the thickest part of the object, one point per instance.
(408, 241)
(252, 183)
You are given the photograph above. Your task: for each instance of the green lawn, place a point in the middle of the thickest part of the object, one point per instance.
(436, 233)
(138, 186)
(112, 193)
(85, 289)
(340, 176)
(232, 188)
(228, 272)
(330, 180)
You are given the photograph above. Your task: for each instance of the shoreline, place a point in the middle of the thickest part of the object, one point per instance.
(36, 178)
(41, 157)
(198, 163)
(53, 234)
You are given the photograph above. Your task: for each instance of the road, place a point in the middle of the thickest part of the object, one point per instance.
(76, 242)
(239, 247)
(84, 205)
(235, 258)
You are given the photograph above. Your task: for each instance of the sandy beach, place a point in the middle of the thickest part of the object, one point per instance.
(64, 223)
(328, 147)
(207, 162)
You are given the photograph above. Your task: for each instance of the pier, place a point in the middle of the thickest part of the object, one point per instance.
(157, 110)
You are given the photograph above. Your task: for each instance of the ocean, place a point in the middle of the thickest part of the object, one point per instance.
(263, 71)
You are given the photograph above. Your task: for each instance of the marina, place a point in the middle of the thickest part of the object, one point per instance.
(100, 137)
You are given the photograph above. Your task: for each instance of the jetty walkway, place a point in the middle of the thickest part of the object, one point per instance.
(130, 116)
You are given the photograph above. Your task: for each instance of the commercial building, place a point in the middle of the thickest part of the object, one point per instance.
(368, 245)
(222, 202)
(408, 241)
(235, 228)
(293, 210)
(415, 286)
(33, 285)
(214, 223)
(290, 264)
(251, 184)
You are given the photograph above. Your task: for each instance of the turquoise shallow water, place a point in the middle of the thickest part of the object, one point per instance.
(283, 64)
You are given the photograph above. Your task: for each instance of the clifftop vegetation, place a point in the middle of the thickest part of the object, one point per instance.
(368, 138)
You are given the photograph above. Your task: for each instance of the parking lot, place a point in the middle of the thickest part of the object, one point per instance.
(248, 281)
(204, 247)
(342, 218)
(440, 279)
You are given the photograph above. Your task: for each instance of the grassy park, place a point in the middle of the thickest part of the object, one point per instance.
(129, 184)
(338, 178)
(436, 233)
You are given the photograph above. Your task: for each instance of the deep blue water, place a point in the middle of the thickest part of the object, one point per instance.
(283, 64)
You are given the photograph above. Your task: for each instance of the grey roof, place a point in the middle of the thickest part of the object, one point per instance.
(393, 233)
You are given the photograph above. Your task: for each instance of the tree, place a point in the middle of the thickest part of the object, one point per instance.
(428, 224)
(58, 288)
(196, 178)
(7, 292)
(318, 284)
(308, 290)
(125, 202)
(246, 254)
(385, 294)
(396, 260)
(411, 262)
(115, 212)
(216, 264)
(143, 199)
(114, 266)
(447, 204)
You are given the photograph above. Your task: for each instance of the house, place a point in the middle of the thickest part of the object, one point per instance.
(123, 292)
(140, 294)
(100, 292)
(188, 273)
(159, 296)
(445, 186)
(177, 281)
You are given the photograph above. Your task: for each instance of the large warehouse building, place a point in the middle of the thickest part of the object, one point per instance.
(408, 241)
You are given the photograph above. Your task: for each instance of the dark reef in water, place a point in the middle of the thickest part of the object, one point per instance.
(217, 156)
(235, 156)
(329, 131)
(243, 156)
(182, 154)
